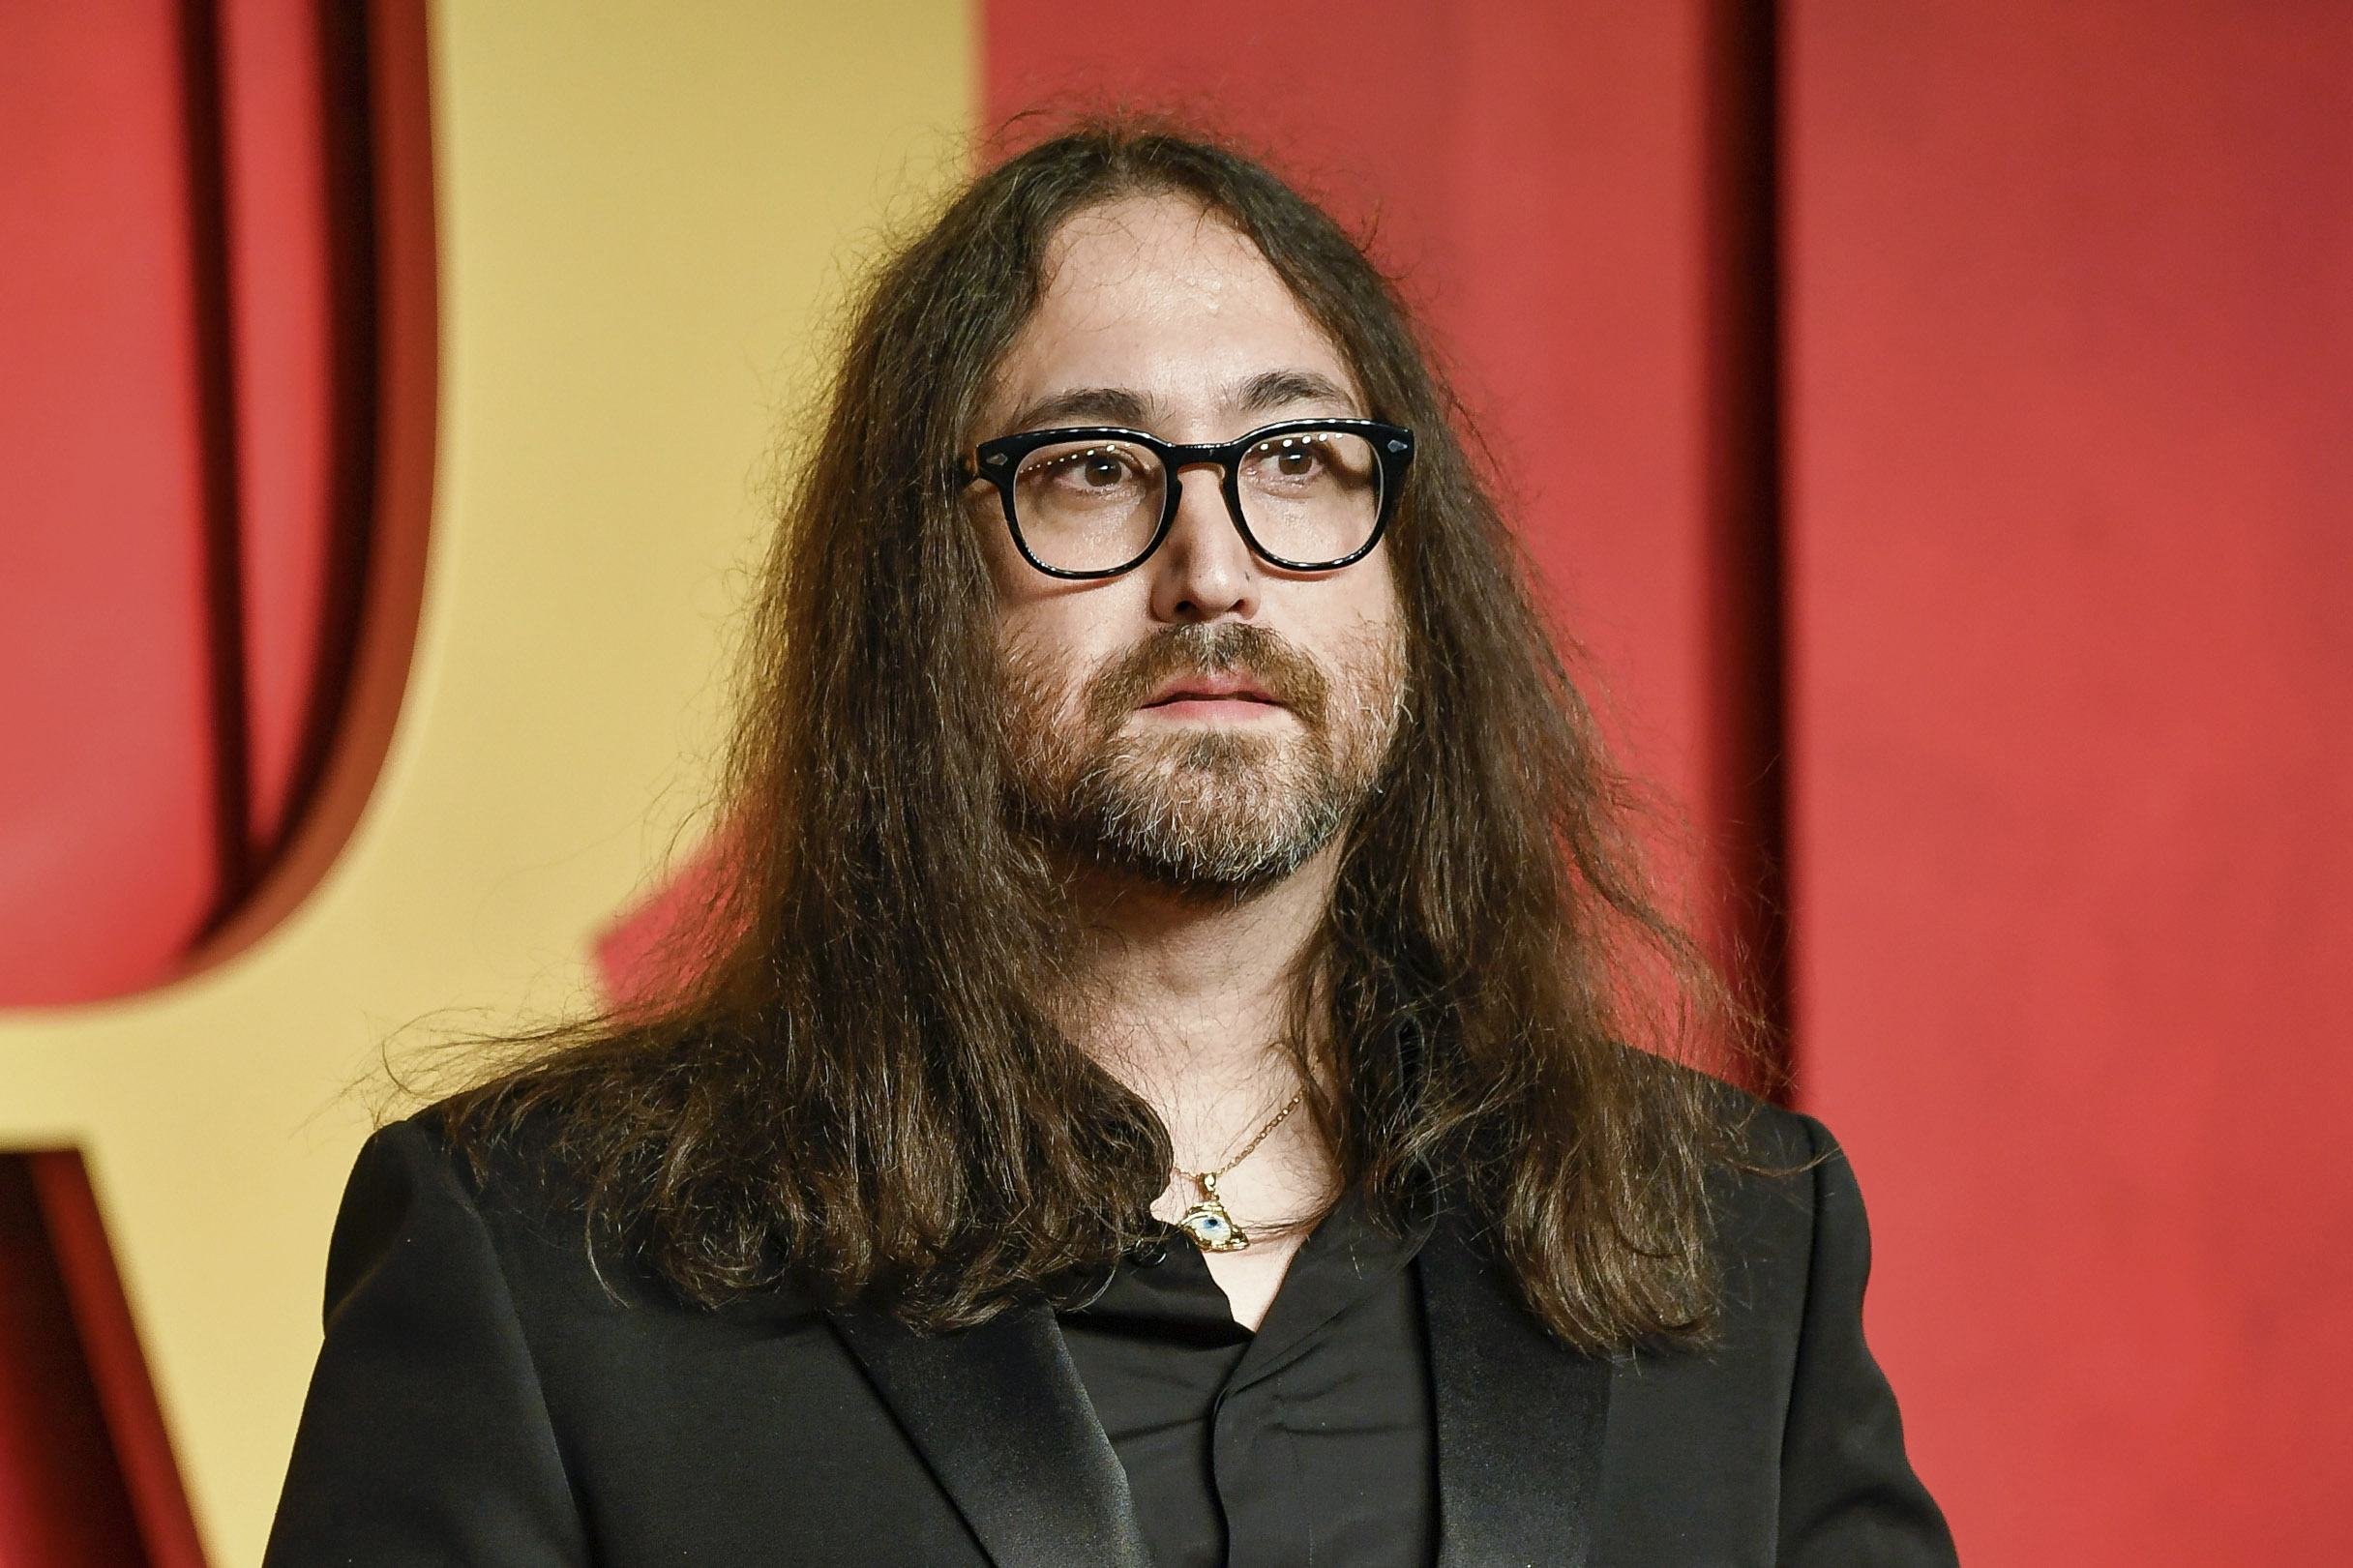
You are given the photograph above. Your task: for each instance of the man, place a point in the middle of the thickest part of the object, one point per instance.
(1163, 1089)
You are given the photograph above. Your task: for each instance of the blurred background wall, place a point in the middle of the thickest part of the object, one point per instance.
(639, 213)
(1935, 419)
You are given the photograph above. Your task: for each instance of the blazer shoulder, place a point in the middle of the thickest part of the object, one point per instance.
(1790, 1163)
(1760, 1139)
(426, 1434)
(1783, 1189)
(409, 1173)
(533, 1199)
(1778, 1141)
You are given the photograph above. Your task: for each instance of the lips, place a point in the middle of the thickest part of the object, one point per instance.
(1229, 673)
(1224, 686)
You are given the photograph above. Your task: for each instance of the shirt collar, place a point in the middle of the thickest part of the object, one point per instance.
(1344, 1259)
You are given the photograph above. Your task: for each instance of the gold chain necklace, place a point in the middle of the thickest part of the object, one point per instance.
(1206, 1221)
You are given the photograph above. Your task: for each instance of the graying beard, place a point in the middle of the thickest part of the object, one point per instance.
(1179, 821)
(1209, 813)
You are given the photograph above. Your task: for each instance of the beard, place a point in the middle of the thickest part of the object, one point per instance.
(1217, 812)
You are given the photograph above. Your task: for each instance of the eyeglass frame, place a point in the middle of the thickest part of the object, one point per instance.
(998, 462)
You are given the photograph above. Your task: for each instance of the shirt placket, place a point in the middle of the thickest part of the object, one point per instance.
(1255, 1465)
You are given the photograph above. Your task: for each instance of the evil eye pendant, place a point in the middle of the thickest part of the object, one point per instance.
(1212, 1228)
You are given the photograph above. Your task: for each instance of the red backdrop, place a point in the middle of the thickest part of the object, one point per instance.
(2061, 459)
(2072, 550)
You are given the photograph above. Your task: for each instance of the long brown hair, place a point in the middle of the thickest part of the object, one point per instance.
(865, 1091)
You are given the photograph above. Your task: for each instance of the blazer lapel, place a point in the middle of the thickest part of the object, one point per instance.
(1000, 1415)
(1520, 1418)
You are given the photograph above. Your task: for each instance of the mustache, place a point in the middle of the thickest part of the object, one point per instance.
(1286, 674)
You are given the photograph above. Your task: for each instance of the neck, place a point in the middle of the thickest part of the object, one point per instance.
(1190, 1000)
(1191, 1003)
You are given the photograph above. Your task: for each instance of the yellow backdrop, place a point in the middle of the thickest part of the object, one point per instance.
(644, 212)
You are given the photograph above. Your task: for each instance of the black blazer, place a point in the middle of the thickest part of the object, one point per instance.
(485, 1396)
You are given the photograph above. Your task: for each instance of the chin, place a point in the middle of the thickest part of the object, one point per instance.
(1215, 867)
(1219, 815)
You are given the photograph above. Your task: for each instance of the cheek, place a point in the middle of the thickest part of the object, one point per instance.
(1357, 610)
(1050, 655)
(1069, 629)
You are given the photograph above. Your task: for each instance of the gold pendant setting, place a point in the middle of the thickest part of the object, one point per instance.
(1210, 1227)
(1206, 1221)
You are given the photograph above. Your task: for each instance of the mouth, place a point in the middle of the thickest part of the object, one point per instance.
(1227, 694)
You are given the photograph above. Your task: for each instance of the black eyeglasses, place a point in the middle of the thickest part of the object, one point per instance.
(1308, 494)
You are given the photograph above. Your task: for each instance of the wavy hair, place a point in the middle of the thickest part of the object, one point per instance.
(865, 1092)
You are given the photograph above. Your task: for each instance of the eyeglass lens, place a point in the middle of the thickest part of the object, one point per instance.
(1310, 497)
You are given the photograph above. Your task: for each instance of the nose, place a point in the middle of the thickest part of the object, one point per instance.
(1204, 570)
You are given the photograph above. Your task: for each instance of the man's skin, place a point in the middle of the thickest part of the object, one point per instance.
(1174, 315)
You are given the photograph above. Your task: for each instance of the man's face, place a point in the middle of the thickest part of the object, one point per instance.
(1205, 719)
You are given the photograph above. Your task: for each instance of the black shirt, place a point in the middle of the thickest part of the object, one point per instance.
(1306, 1443)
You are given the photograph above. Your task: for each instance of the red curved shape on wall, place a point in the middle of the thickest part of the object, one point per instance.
(217, 438)
(348, 745)
(108, 1339)
(64, 1496)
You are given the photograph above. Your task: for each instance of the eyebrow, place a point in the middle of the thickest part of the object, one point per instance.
(1263, 393)
(1099, 405)
(1271, 390)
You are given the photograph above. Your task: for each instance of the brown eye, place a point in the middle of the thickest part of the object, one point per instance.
(1287, 460)
(1089, 470)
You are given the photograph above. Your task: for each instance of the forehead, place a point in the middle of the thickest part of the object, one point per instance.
(1157, 295)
